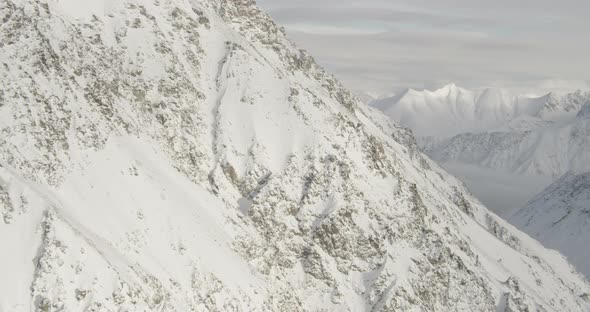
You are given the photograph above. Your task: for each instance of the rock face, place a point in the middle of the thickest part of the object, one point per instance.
(559, 217)
(185, 156)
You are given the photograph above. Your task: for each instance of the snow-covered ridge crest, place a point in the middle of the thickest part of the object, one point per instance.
(185, 156)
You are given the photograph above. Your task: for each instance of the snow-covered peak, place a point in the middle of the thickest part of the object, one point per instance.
(448, 90)
(452, 110)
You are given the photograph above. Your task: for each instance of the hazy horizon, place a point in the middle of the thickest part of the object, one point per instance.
(382, 46)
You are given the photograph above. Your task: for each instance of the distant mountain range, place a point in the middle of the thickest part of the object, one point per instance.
(494, 130)
(452, 110)
(507, 149)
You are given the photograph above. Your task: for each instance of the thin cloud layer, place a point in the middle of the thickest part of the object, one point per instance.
(381, 46)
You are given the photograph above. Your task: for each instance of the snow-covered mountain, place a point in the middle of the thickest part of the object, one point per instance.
(493, 129)
(550, 150)
(560, 218)
(452, 110)
(492, 135)
(507, 149)
(185, 156)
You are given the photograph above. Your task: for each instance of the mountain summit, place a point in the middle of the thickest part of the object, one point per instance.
(185, 156)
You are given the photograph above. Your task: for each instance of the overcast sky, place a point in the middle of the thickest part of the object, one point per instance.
(386, 45)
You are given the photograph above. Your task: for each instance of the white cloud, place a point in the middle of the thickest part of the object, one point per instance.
(379, 45)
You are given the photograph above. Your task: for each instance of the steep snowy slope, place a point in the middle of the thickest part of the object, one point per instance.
(560, 218)
(185, 156)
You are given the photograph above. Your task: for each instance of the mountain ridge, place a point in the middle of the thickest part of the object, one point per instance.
(166, 156)
(451, 110)
(532, 136)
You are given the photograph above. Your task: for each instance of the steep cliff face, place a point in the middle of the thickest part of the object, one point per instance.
(184, 155)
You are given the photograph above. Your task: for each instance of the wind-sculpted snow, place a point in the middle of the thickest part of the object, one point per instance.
(185, 156)
(560, 218)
